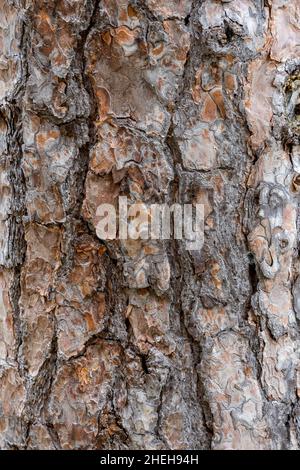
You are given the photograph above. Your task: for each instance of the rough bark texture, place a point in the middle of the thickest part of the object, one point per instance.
(138, 344)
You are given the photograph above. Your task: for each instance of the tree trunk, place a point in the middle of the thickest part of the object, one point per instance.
(143, 344)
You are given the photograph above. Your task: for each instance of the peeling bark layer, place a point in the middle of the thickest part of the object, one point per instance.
(138, 344)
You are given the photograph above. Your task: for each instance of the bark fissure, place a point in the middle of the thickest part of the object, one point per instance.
(145, 344)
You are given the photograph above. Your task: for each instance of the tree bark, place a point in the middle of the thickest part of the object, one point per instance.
(140, 344)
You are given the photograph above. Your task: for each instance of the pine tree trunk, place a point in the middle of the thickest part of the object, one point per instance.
(134, 344)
